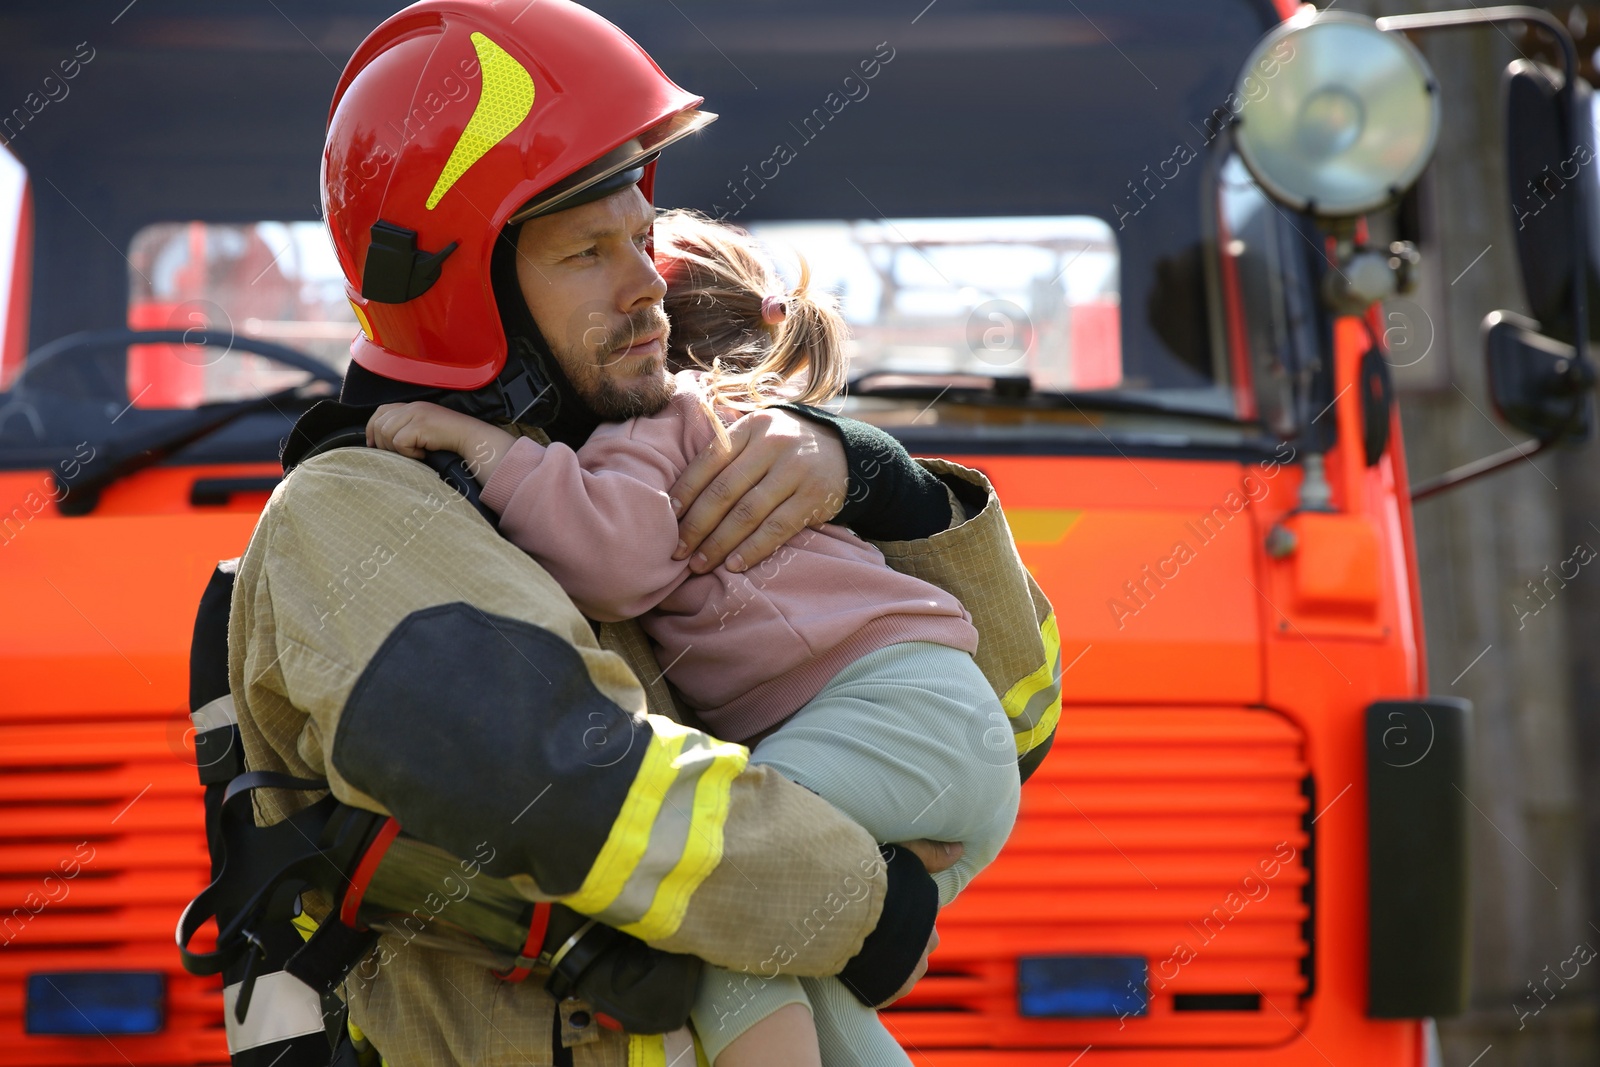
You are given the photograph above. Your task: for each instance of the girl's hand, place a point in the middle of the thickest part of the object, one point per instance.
(418, 428)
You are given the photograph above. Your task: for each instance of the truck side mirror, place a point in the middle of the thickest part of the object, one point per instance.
(1539, 379)
(1538, 384)
(1552, 186)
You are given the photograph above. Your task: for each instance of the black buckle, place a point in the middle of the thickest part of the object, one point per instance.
(517, 393)
(397, 270)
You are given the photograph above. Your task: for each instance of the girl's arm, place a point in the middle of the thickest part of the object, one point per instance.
(417, 428)
(598, 519)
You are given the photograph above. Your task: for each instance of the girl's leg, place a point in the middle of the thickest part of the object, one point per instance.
(786, 1037)
(849, 1034)
(745, 1019)
(903, 741)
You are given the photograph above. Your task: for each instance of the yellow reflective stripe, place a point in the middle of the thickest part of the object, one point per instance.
(630, 831)
(702, 851)
(1032, 739)
(647, 1050)
(1046, 677)
(305, 924)
(504, 101)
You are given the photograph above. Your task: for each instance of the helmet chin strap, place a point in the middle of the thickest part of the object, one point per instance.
(531, 388)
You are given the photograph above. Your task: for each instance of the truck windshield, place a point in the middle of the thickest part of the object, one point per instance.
(1033, 299)
(1030, 311)
(276, 281)
(1079, 242)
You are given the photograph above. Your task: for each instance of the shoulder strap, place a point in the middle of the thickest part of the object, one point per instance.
(328, 425)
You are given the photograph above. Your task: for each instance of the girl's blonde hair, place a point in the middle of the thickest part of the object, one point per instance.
(717, 278)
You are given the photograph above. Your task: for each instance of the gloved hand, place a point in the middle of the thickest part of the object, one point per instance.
(643, 989)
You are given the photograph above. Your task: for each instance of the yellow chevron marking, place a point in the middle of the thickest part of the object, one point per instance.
(505, 100)
(1041, 526)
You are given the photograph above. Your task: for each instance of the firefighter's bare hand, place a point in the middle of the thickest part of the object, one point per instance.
(935, 855)
(418, 428)
(921, 969)
(779, 474)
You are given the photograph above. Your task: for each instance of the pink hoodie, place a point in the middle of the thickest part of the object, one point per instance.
(745, 650)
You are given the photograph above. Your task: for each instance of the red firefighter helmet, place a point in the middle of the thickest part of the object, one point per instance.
(453, 119)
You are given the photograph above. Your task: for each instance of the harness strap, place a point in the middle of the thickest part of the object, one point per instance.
(532, 946)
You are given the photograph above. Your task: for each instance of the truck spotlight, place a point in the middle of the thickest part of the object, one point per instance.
(1337, 118)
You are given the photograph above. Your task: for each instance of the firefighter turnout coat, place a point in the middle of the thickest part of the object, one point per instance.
(383, 637)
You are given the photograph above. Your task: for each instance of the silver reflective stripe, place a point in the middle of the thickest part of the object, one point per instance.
(679, 1048)
(281, 1007)
(213, 714)
(668, 837)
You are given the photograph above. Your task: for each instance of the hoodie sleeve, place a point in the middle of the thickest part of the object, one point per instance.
(599, 518)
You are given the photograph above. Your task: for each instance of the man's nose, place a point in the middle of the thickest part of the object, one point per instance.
(642, 285)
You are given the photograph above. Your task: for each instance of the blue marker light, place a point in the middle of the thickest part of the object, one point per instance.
(95, 1003)
(1081, 987)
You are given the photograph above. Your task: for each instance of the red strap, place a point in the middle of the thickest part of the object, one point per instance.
(365, 870)
(537, 927)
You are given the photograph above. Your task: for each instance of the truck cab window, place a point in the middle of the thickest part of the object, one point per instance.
(270, 280)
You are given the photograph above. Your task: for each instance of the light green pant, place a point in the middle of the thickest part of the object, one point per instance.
(904, 742)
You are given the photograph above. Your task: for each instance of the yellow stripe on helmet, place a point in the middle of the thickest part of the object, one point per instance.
(505, 100)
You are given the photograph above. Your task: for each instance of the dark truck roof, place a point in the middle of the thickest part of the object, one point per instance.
(189, 110)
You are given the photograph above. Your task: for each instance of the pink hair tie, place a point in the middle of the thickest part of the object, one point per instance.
(773, 310)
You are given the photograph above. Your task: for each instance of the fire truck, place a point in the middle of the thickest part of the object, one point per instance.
(1125, 259)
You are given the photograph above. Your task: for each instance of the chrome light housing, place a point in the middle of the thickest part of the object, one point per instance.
(1348, 121)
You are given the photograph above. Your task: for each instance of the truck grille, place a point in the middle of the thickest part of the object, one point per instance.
(1154, 833)
(102, 844)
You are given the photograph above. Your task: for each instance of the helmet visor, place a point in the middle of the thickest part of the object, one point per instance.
(595, 180)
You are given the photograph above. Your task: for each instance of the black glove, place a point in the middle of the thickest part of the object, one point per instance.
(644, 989)
(892, 951)
(889, 496)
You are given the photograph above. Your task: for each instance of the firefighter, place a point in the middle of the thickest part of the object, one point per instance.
(385, 639)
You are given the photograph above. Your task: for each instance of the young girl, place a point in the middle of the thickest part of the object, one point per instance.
(848, 677)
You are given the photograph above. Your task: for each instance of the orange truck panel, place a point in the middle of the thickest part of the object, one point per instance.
(101, 823)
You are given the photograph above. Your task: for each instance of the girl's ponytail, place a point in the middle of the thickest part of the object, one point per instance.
(810, 339)
(724, 301)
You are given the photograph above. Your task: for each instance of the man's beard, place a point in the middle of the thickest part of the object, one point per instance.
(644, 390)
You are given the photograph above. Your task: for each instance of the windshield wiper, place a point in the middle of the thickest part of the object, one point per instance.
(79, 496)
(1018, 392)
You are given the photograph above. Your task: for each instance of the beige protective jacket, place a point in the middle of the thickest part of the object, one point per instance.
(385, 638)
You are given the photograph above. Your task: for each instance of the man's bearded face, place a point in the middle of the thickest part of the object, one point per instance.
(596, 295)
